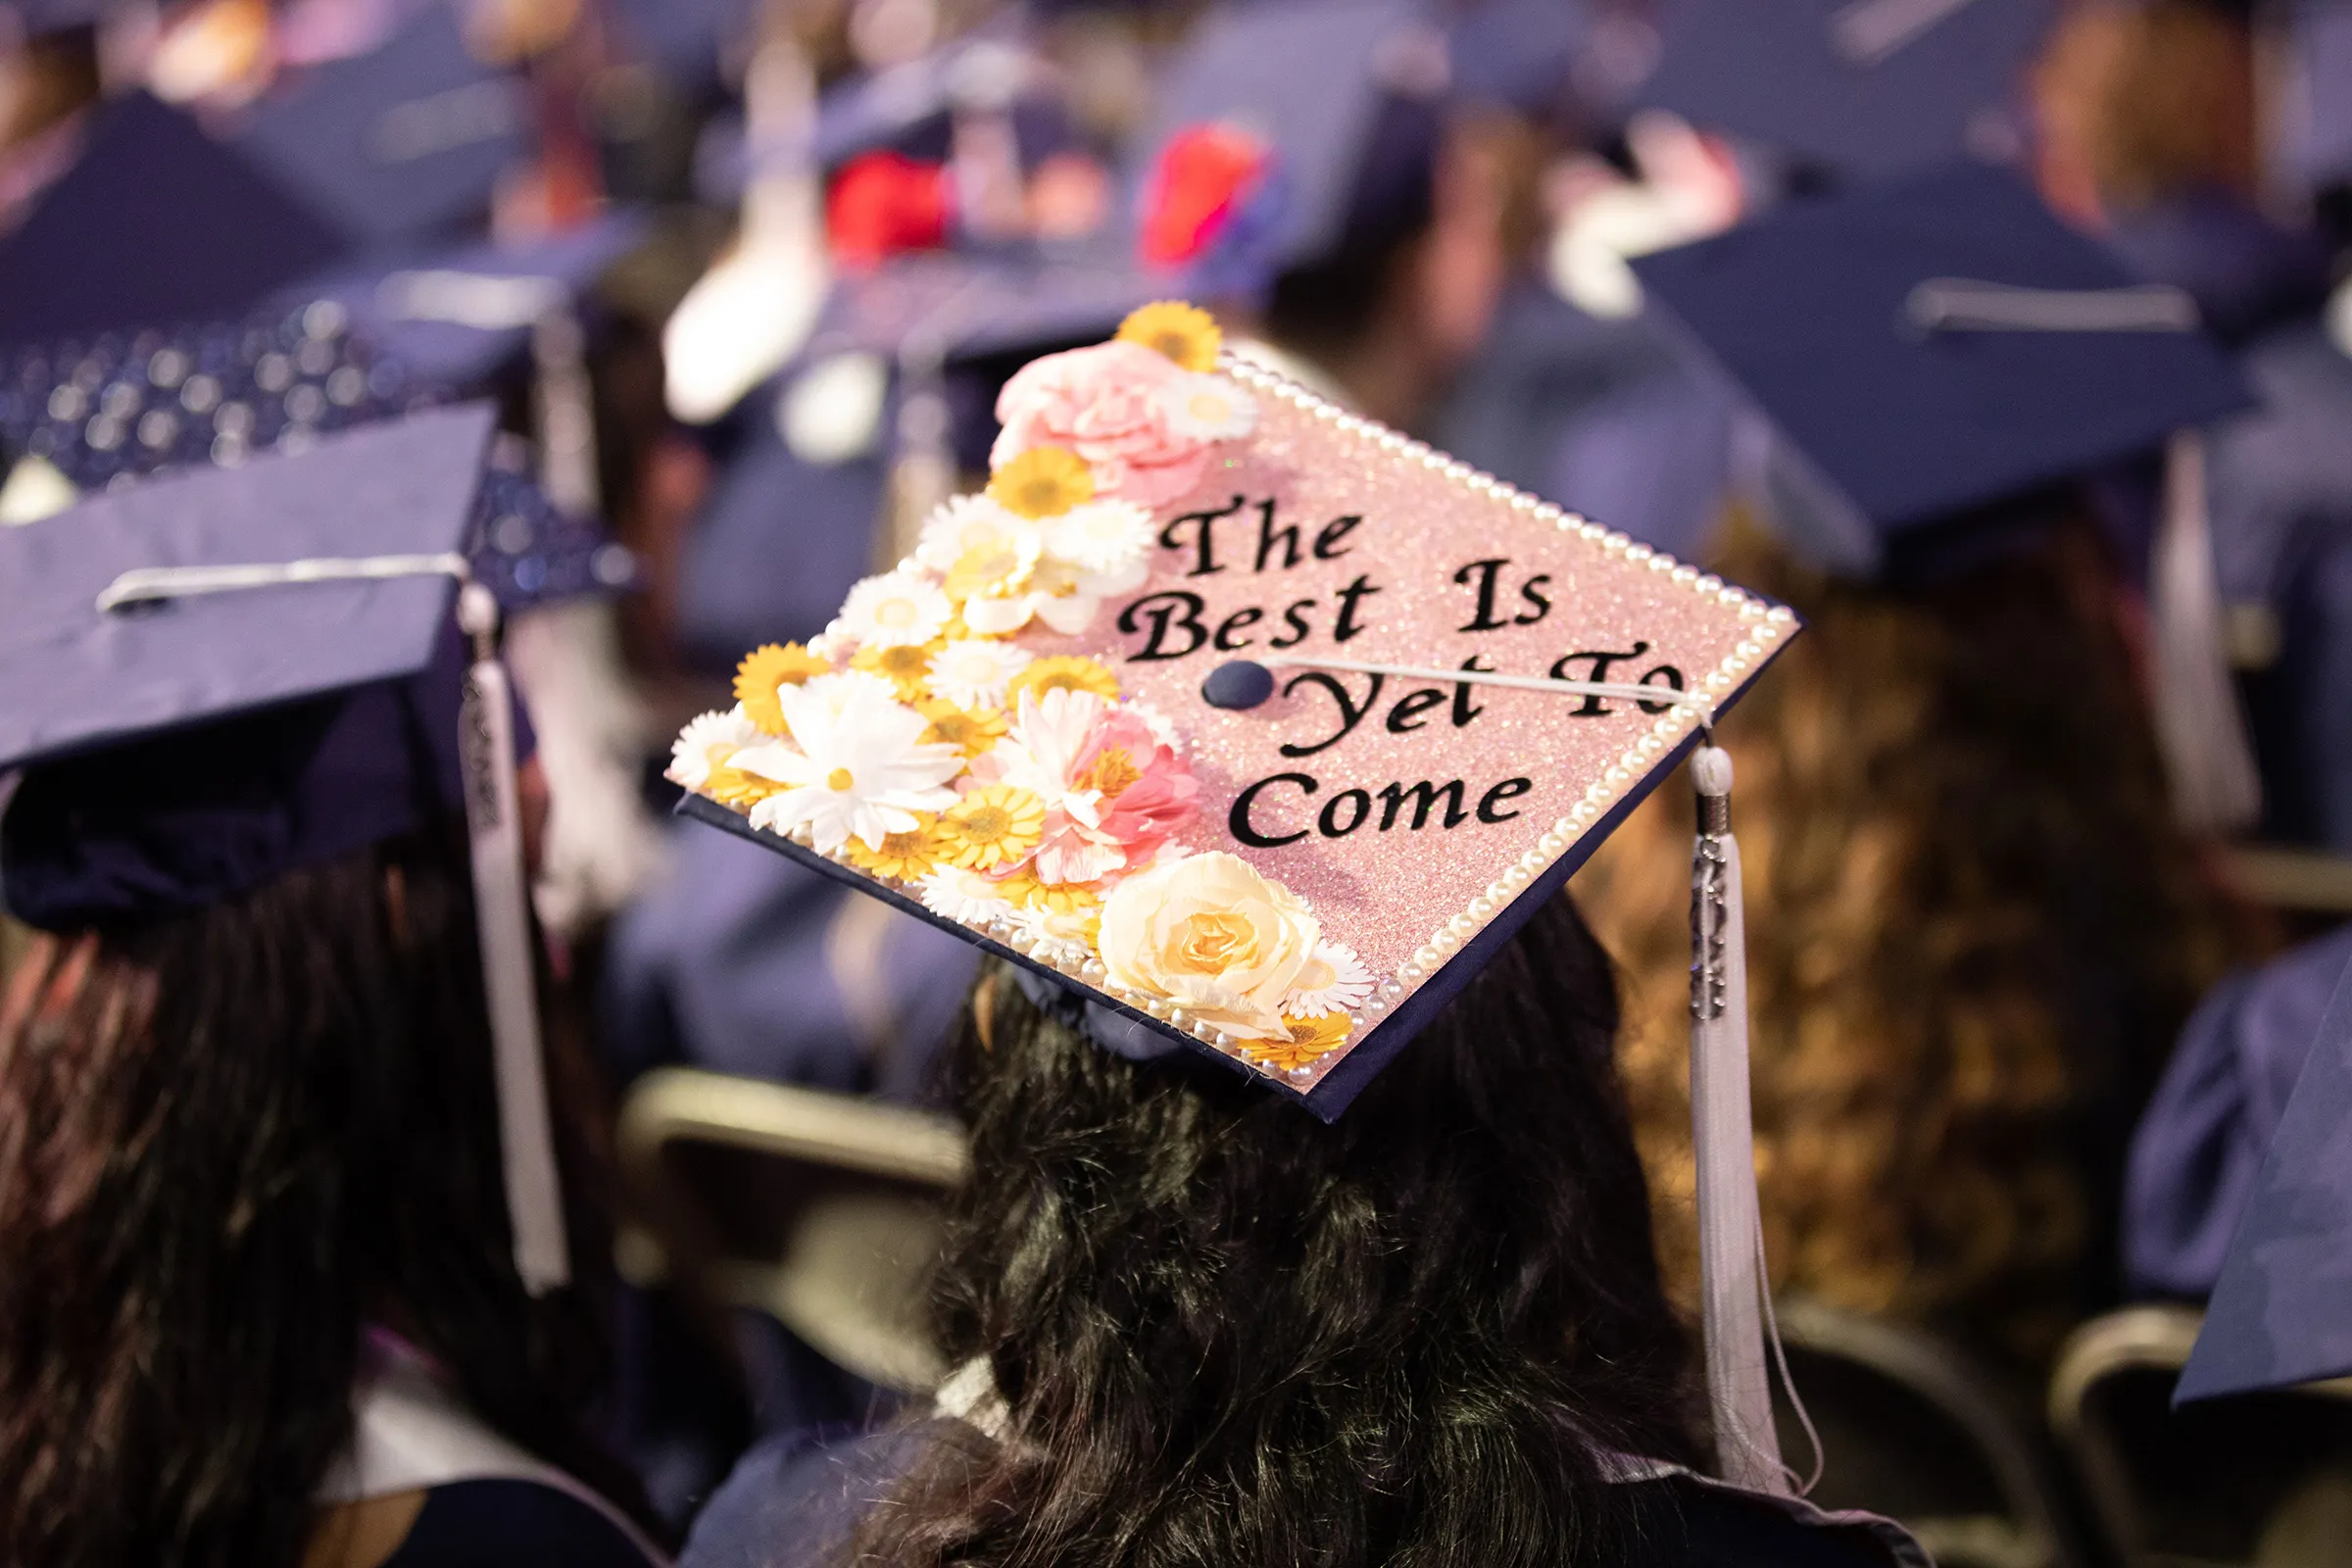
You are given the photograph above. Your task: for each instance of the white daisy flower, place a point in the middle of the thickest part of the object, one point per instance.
(861, 768)
(973, 672)
(1058, 935)
(962, 524)
(1333, 980)
(705, 743)
(1101, 536)
(966, 896)
(1208, 408)
(838, 688)
(833, 644)
(894, 608)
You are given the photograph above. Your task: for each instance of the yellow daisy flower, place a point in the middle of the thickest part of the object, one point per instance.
(767, 667)
(1068, 671)
(975, 730)
(995, 825)
(1185, 333)
(1309, 1041)
(906, 665)
(731, 786)
(1043, 482)
(907, 857)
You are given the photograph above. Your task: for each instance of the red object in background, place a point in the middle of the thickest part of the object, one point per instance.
(1202, 179)
(882, 203)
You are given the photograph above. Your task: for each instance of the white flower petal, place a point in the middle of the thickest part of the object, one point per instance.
(1333, 980)
(973, 672)
(894, 608)
(1101, 536)
(707, 742)
(962, 523)
(1208, 408)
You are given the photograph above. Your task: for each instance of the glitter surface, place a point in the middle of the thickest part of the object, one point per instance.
(1369, 844)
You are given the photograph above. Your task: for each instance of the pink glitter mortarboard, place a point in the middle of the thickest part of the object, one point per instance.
(1416, 822)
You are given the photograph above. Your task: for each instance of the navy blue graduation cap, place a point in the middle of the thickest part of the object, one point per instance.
(1851, 86)
(155, 222)
(1519, 54)
(1324, 156)
(2312, 117)
(2281, 1311)
(409, 138)
(455, 317)
(122, 406)
(225, 674)
(1931, 346)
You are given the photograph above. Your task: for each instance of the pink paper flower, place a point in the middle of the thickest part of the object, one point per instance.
(1116, 405)
(1114, 792)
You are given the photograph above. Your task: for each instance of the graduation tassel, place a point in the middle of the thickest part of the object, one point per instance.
(1731, 1254)
(502, 911)
(2198, 723)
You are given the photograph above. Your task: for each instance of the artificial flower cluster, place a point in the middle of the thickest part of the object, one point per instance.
(918, 741)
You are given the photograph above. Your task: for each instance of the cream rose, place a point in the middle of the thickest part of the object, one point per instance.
(1214, 937)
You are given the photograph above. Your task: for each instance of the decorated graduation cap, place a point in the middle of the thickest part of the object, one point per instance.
(222, 675)
(2281, 1311)
(83, 417)
(1856, 88)
(409, 138)
(1250, 729)
(154, 221)
(1926, 351)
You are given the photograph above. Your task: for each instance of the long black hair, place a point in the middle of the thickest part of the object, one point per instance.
(1226, 1333)
(232, 1141)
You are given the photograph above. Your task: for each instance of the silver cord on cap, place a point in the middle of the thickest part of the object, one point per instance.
(1973, 305)
(148, 584)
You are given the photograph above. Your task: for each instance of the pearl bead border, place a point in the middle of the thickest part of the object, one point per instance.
(1768, 625)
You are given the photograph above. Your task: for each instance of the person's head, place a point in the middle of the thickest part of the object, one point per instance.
(1227, 1331)
(236, 1139)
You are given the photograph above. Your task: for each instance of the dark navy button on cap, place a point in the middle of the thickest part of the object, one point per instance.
(2281, 1311)
(408, 138)
(1810, 312)
(189, 751)
(1855, 86)
(155, 222)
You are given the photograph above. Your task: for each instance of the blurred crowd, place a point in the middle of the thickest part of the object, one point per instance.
(2048, 816)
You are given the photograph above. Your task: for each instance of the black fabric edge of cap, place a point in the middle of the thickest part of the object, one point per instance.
(1338, 1089)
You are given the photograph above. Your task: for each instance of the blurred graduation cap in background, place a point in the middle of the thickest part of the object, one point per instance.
(227, 675)
(88, 417)
(1933, 355)
(154, 221)
(2198, 1153)
(1851, 87)
(410, 138)
(1254, 166)
(2281, 1311)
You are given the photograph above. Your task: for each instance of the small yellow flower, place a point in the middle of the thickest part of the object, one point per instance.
(1185, 333)
(1304, 1040)
(974, 730)
(995, 825)
(733, 787)
(999, 569)
(906, 665)
(1043, 482)
(767, 667)
(909, 856)
(1064, 672)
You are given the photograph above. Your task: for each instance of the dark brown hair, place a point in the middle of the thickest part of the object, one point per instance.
(229, 1141)
(1973, 931)
(1227, 1333)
